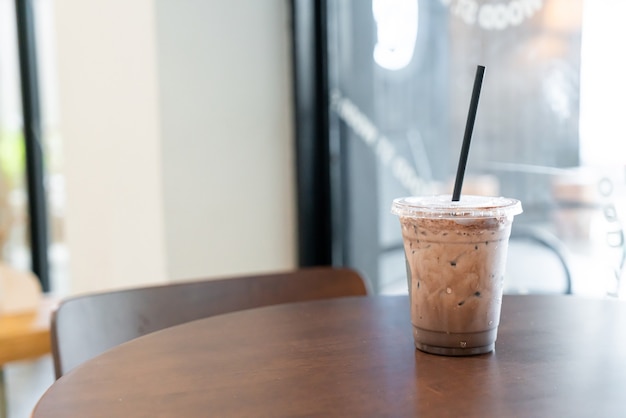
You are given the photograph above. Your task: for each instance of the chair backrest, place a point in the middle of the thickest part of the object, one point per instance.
(85, 326)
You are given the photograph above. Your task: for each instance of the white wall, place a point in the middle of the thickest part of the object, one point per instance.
(226, 119)
(109, 125)
(177, 137)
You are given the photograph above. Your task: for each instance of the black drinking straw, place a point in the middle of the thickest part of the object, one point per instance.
(469, 127)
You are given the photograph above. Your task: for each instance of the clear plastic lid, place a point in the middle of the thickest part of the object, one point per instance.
(442, 206)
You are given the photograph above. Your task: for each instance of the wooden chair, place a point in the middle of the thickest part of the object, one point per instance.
(85, 326)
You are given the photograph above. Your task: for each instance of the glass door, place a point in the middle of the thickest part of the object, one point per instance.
(399, 77)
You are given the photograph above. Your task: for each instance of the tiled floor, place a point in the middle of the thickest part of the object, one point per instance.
(25, 382)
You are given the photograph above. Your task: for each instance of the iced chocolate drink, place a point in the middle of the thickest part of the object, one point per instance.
(456, 257)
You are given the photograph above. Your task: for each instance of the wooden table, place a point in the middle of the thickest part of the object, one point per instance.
(26, 335)
(556, 356)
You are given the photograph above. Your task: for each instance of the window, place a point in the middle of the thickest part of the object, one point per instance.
(17, 214)
(397, 79)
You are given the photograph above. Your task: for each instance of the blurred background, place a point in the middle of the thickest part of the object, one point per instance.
(548, 130)
(168, 131)
(166, 135)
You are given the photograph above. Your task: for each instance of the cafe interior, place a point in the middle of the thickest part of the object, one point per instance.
(155, 144)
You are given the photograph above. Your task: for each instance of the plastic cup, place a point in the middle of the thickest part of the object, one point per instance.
(456, 257)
